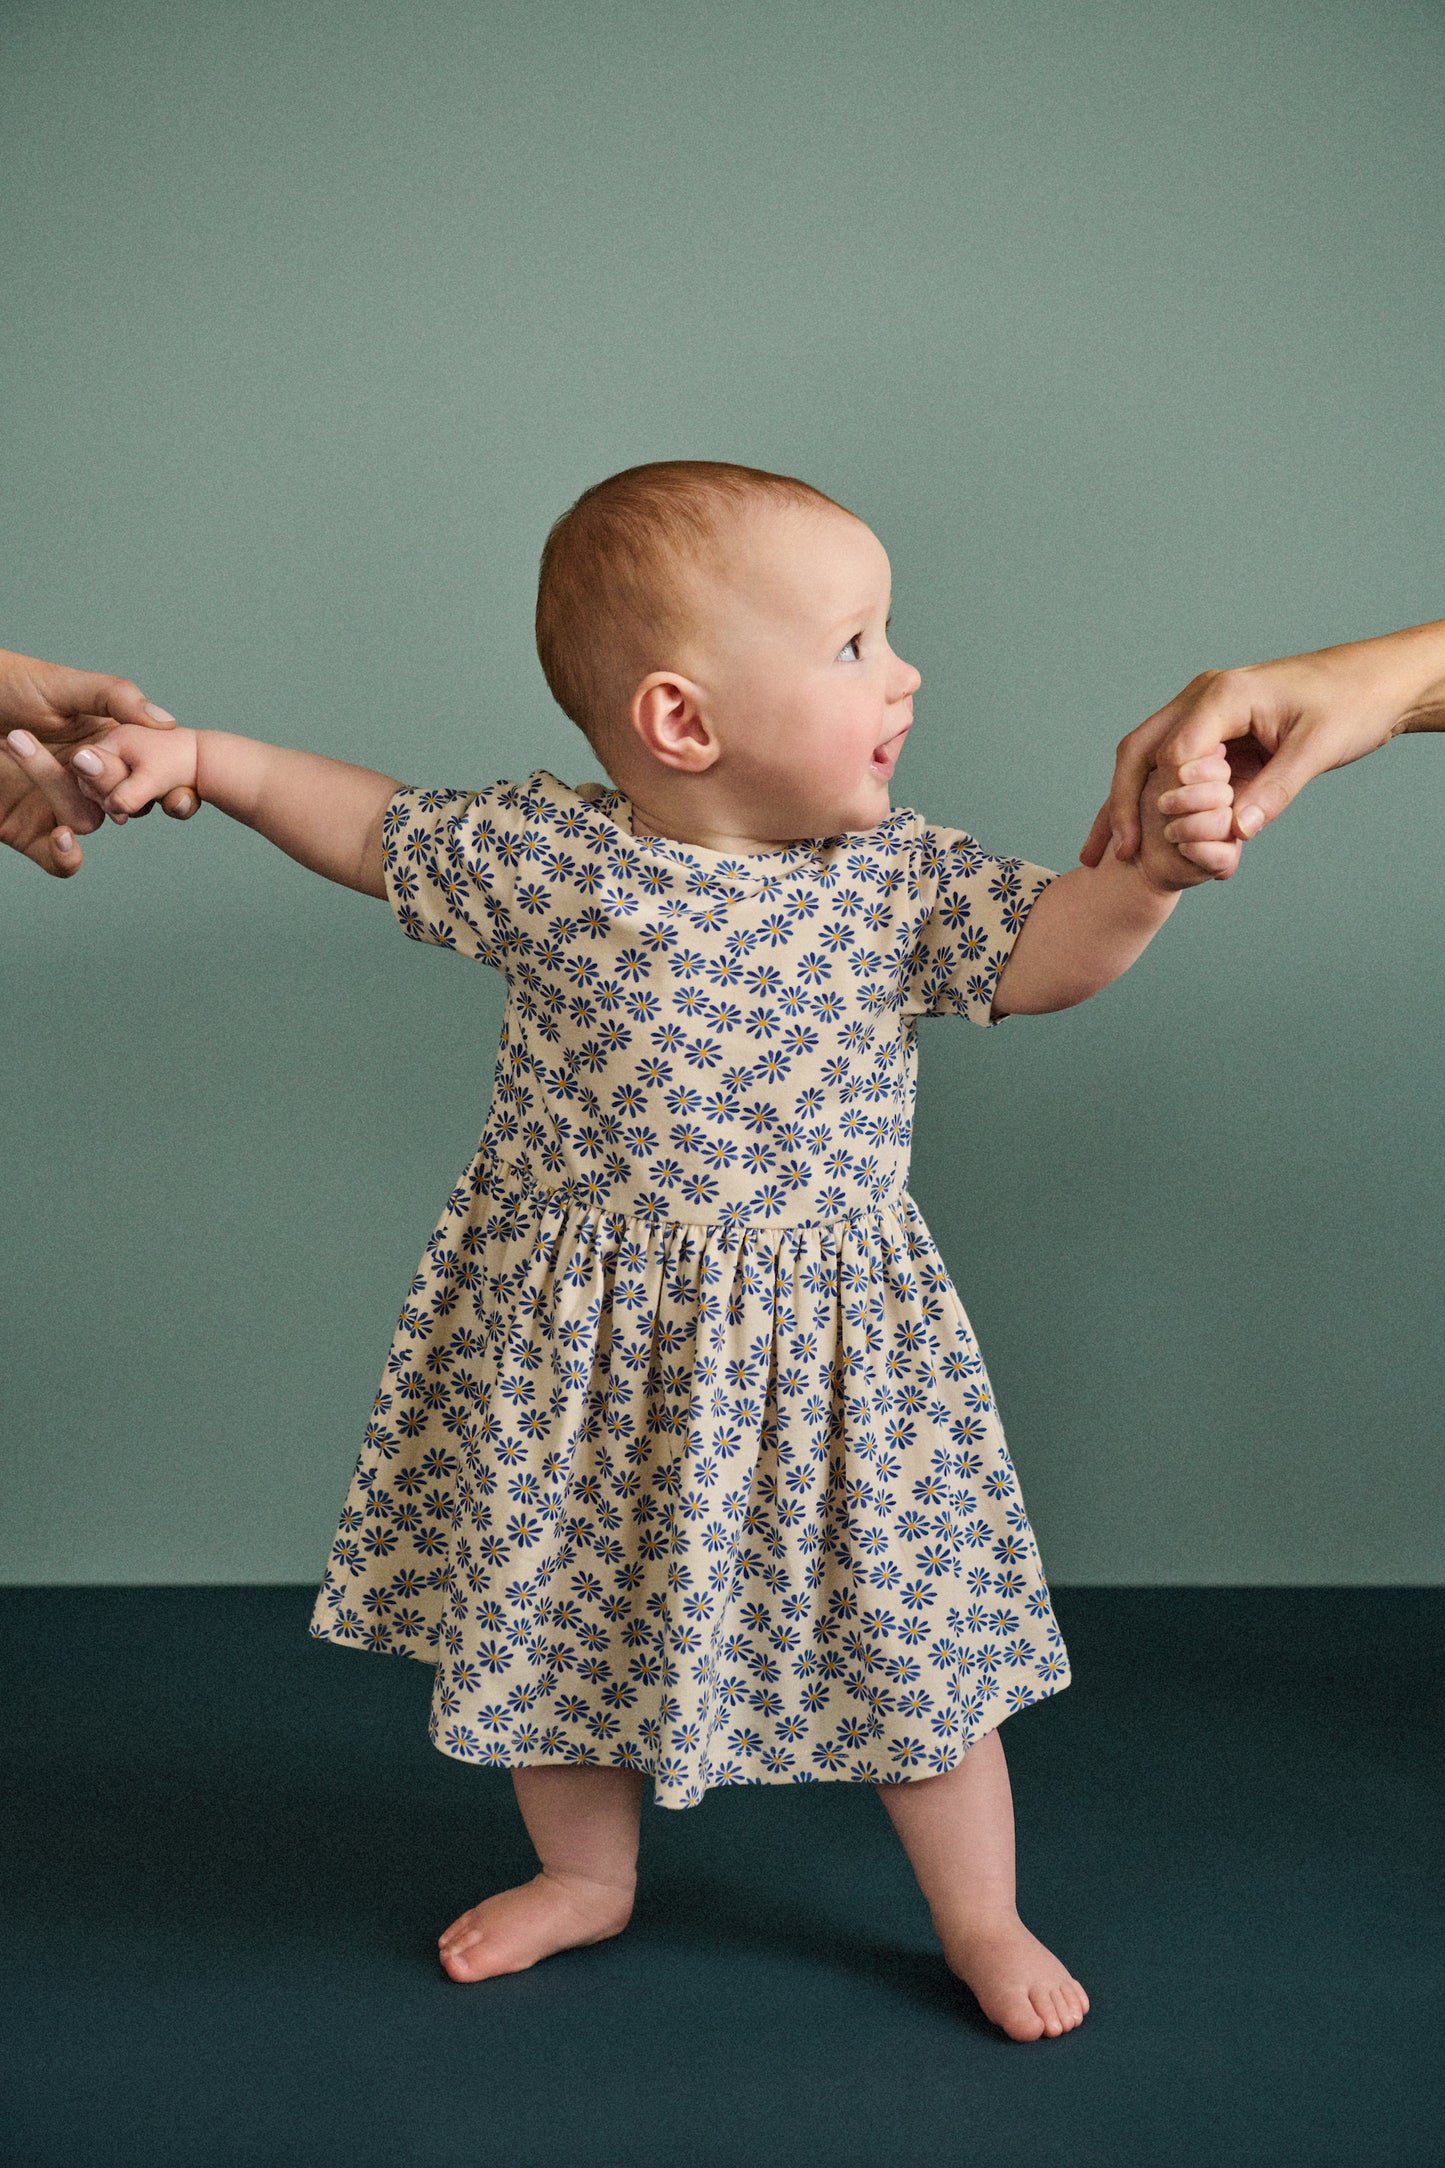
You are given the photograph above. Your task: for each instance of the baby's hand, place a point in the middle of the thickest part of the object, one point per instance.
(1186, 826)
(130, 767)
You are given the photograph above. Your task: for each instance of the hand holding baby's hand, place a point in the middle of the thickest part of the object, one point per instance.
(1186, 822)
(127, 770)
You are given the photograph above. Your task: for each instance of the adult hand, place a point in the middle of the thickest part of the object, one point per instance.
(1281, 723)
(43, 807)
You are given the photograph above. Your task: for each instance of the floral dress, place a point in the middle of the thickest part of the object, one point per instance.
(685, 1459)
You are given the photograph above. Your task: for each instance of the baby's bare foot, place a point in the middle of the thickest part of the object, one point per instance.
(510, 1931)
(1019, 1984)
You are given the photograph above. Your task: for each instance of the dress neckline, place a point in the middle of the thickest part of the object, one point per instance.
(609, 813)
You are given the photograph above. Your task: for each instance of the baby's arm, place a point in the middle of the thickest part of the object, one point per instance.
(324, 813)
(1090, 924)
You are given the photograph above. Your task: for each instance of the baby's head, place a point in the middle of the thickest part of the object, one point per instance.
(718, 634)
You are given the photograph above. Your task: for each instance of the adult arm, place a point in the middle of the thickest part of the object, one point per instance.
(44, 705)
(1282, 723)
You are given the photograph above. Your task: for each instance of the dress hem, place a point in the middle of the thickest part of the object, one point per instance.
(497, 1759)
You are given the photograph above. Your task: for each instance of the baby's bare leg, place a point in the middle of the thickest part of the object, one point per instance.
(583, 1822)
(958, 1832)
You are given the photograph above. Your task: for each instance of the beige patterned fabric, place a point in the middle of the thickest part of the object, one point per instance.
(684, 1458)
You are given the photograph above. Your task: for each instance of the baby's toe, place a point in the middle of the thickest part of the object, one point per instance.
(461, 1930)
(1042, 1999)
(1020, 2016)
(463, 1960)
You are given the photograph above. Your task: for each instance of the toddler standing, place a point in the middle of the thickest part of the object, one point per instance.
(684, 1463)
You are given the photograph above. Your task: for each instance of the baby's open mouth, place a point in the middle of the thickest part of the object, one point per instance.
(885, 756)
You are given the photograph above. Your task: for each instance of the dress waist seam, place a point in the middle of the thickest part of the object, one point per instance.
(564, 1199)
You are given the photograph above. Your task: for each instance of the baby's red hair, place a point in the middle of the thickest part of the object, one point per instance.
(615, 593)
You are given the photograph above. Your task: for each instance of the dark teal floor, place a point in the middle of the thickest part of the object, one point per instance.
(227, 1853)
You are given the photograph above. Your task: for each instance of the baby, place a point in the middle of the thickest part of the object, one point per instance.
(685, 1462)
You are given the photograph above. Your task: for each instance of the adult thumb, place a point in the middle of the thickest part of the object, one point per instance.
(124, 702)
(1277, 782)
(69, 693)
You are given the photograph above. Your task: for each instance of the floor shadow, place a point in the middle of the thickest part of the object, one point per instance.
(706, 1913)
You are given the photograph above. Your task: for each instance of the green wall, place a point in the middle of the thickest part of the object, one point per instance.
(1121, 324)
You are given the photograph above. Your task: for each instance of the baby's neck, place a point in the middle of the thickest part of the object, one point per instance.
(670, 827)
(700, 824)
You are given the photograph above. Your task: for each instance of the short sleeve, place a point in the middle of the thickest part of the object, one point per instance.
(968, 909)
(449, 859)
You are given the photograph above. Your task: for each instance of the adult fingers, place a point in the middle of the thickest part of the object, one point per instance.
(132, 794)
(128, 801)
(105, 780)
(55, 783)
(1210, 771)
(92, 693)
(1222, 705)
(66, 855)
(1138, 755)
(1133, 761)
(1298, 761)
(1097, 840)
(126, 703)
(102, 771)
(1135, 756)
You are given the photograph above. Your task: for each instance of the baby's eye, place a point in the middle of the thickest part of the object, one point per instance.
(851, 643)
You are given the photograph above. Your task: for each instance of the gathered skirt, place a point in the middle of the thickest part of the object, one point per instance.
(724, 1505)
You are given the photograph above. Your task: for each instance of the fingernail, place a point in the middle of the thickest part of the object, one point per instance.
(158, 715)
(1114, 839)
(88, 763)
(64, 840)
(1250, 821)
(183, 803)
(21, 742)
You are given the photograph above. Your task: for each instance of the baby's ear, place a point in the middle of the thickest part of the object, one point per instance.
(666, 716)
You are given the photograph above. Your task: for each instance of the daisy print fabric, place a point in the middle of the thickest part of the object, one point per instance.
(684, 1458)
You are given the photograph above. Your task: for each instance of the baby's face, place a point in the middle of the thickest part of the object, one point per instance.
(805, 697)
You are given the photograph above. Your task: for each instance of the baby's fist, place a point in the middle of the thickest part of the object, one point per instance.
(127, 770)
(1186, 827)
